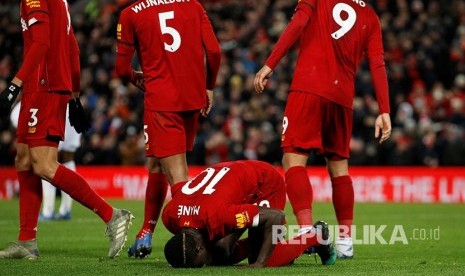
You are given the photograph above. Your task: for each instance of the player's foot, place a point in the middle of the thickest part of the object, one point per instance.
(142, 246)
(42, 217)
(66, 216)
(326, 249)
(117, 230)
(344, 248)
(21, 250)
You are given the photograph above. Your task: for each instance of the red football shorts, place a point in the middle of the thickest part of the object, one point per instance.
(42, 118)
(169, 133)
(312, 122)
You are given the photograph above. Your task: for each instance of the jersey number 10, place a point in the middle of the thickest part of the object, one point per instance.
(345, 24)
(186, 189)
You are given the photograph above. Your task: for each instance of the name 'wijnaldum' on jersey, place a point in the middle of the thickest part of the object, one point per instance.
(150, 3)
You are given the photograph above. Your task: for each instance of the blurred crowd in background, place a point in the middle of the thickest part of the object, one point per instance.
(425, 59)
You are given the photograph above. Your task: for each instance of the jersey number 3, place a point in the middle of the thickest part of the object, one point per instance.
(345, 24)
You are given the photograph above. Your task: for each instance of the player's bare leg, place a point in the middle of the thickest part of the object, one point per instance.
(298, 187)
(45, 165)
(155, 194)
(172, 169)
(343, 202)
(175, 168)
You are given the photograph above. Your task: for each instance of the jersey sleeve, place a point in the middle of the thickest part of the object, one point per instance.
(35, 11)
(40, 38)
(307, 6)
(212, 49)
(375, 55)
(232, 218)
(303, 12)
(74, 62)
(125, 35)
(169, 219)
(125, 46)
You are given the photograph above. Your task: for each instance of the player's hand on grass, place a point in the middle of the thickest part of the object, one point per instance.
(208, 108)
(137, 79)
(261, 78)
(77, 116)
(383, 127)
(255, 265)
(8, 97)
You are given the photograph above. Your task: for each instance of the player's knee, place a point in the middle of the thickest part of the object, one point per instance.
(338, 168)
(44, 169)
(154, 165)
(176, 175)
(39, 170)
(22, 161)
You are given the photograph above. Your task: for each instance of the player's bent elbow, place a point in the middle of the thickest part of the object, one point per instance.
(277, 216)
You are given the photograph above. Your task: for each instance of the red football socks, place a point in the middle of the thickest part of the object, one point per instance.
(74, 185)
(343, 202)
(155, 194)
(30, 198)
(285, 252)
(300, 193)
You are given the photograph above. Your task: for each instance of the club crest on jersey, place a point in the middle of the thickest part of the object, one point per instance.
(23, 24)
(31, 130)
(242, 219)
(33, 3)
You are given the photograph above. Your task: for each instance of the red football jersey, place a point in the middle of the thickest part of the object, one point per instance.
(331, 46)
(221, 199)
(172, 39)
(54, 71)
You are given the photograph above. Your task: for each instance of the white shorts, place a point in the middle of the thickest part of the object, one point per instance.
(72, 139)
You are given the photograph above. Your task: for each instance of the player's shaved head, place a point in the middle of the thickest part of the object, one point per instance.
(181, 251)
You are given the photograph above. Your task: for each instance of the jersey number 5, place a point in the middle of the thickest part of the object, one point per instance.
(345, 24)
(186, 189)
(163, 17)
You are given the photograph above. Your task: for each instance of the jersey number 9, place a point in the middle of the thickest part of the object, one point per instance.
(345, 24)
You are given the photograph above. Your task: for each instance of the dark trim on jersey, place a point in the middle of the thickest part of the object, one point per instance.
(125, 43)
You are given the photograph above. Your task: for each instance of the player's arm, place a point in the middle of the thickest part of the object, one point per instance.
(40, 39)
(299, 21)
(75, 65)
(267, 217)
(77, 115)
(213, 57)
(223, 251)
(40, 34)
(375, 54)
(125, 49)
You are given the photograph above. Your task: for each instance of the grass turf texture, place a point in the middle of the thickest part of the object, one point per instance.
(78, 246)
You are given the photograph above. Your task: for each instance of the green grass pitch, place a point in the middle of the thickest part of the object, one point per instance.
(79, 247)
